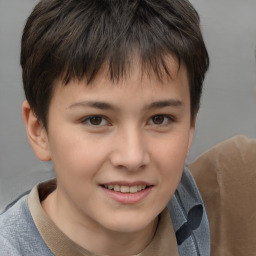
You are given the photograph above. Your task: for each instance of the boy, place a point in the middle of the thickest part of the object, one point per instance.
(112, 92)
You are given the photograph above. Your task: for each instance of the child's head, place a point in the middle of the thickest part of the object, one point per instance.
(113, 87)
(74, 39)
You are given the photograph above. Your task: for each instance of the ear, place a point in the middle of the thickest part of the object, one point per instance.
(36, 132)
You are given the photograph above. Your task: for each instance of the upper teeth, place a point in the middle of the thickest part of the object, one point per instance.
(125, 189)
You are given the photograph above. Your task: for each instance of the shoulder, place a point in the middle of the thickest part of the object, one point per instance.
(18, 233)
(14, 217)
(226, 178)
(13, 223)
(228, 165)
(238, 151)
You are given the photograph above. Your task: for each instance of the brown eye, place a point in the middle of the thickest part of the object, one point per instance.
(159, 119)
(95, 120)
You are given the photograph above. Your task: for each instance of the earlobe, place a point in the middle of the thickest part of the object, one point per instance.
(36, 133)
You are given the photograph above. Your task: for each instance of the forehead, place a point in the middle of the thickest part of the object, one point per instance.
(131, 95)
(137, 85)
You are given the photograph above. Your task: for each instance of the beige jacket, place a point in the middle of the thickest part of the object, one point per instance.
(226, 178)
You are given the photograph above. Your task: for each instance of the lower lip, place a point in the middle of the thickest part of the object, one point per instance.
(128, 198)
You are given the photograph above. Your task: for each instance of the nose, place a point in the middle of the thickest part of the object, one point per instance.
(130, 150)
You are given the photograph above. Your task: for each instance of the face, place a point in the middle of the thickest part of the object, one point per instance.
(119, 148)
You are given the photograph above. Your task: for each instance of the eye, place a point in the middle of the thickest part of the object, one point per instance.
(161, 120)
(97, 121)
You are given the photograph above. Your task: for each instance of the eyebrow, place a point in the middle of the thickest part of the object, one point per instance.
(93, 104)
(165, 103)
(106, 106)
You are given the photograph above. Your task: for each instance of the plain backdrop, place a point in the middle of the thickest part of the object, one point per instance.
(229, 96)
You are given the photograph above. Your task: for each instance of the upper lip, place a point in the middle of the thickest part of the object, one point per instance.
(126, 183)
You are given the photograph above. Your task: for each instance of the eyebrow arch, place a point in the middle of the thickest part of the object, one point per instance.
(165, 103)
(93, 104)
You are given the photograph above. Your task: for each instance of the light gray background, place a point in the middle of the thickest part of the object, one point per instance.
(229, 97)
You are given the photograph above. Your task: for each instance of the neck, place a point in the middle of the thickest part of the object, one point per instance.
(91, 236)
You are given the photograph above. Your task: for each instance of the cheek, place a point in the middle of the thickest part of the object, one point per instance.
(172, 152)
(76, 156)
(170, 158)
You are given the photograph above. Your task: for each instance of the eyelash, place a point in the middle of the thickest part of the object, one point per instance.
(167, 119)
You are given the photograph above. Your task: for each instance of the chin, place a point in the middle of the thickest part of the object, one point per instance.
(130, 224)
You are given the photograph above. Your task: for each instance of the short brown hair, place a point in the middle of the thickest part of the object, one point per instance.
(74, 38)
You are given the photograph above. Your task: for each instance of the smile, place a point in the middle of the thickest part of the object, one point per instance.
(125, 189)
(127, 193)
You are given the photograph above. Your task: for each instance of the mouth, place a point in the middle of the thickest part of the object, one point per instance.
(126, 189)
(127, 193)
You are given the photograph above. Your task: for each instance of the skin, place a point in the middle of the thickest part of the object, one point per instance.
(141, 134)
